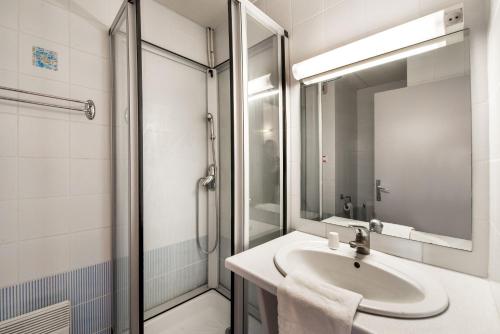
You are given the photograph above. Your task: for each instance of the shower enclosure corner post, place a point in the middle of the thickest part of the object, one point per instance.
(136, 204)
(237, 161)
(125, 42)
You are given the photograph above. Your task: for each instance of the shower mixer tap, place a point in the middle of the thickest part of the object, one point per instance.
(209, 180)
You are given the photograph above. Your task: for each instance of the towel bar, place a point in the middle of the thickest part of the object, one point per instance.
(88, 106)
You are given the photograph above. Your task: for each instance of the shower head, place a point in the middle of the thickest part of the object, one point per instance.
(210, 119)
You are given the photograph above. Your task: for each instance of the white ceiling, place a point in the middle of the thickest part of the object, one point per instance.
(207, 13)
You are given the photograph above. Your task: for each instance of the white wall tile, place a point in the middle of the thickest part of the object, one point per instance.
(494, 268)
(344, 23)
(478, 66)
(44, 138)
(495, 124)
(95, 10)
(281, 12)
(45, 86)
(89, 71)
(305, 9)
(8, 135)
(45, 20)
(308, 39)
(480, 132)
(90, 141)
(89, 212)
(26, 44)
(43, 257)
(43, 177)
(494, 213)
(480, 190)
(8, 56)
(8, 178)
(8, 79)
(43, 217)
(384, 14)
(89, 36)
(311, 227)
(474, 263)
(8, 260)
(90, 176)
(8, 221)
(90, 247)
(9, 13)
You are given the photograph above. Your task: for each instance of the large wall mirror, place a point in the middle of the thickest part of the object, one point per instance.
(393, 143)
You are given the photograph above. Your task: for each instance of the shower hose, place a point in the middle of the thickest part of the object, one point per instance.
(199, 185)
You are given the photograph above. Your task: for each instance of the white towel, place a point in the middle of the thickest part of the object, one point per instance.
(307, 305)
(396, 230)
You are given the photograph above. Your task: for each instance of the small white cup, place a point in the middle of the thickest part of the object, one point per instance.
(333, 240)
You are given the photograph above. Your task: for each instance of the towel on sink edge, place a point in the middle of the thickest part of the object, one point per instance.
(307, 305)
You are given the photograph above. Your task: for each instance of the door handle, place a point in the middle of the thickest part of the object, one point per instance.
(380, 190)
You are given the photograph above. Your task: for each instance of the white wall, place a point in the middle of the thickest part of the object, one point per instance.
(55, 165)
(166, 28)
(494, 91)
(320, 25)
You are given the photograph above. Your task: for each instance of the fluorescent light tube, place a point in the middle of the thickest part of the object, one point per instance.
(260, 84)
(376, 61)
(414, 32)
(263, 95)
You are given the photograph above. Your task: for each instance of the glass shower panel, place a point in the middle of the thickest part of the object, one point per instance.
(224, 99)
(264, 112)
(125, 111)
(265, 153)
(175, 156)
(121, 175)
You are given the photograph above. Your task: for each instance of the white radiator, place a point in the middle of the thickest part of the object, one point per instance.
(53, 319)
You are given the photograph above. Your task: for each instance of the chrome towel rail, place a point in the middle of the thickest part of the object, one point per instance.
(88, 106)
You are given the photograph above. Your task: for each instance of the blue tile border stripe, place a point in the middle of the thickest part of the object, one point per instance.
(89, 290)
(169, 272)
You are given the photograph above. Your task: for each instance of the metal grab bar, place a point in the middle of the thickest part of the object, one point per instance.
(88, 106)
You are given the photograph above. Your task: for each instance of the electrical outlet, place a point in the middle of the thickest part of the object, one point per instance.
(454, 16)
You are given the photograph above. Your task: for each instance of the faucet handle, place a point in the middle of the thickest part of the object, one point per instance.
(360, 230)
(376, 226)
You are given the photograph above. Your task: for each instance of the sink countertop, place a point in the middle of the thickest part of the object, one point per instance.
(472, 307)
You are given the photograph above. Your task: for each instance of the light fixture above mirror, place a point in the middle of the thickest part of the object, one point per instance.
(414, 37)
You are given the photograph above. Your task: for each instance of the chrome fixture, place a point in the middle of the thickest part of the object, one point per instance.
(376, 226)
(88, 105)
(210, 183)
(380, 189)
(362, 240)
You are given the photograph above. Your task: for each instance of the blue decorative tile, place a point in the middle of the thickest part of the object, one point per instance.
(44, 58)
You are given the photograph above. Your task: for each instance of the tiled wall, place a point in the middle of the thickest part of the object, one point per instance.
(172, 271)
(494, 90)
(55, 169)
(317, 26)
(88, 289)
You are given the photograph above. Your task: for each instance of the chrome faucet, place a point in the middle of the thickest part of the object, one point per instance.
(362, 239)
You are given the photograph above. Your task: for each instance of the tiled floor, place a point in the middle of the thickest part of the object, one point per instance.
(209, 313)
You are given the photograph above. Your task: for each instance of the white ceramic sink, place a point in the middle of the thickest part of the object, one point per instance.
(389, 286)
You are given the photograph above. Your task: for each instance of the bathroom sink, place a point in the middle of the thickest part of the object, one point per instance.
(389, 286)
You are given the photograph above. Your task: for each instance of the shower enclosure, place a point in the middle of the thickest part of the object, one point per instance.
(199, 109)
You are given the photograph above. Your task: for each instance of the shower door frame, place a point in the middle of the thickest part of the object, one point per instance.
(238, 11)
(131, 9)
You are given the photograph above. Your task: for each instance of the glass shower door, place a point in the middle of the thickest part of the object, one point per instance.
(127, 265)
(259, 91)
